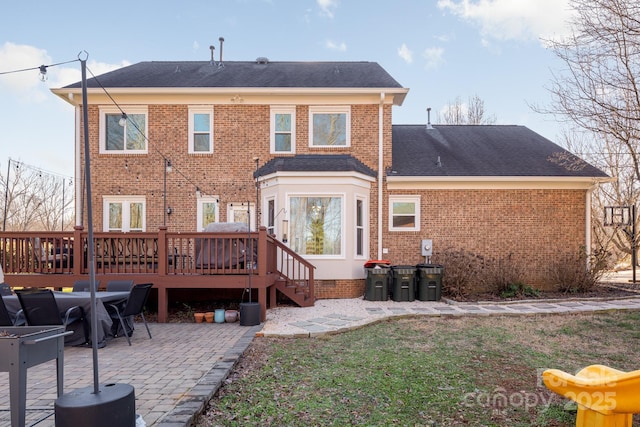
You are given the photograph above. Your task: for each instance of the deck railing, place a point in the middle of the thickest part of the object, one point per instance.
(169, 259)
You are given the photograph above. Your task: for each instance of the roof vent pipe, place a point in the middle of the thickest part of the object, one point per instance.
(213, 61)
(429, 118)
(221, 40)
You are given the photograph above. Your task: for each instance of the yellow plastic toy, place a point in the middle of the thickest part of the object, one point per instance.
(605, 396)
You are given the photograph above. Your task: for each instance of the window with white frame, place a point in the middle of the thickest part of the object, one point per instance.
(239, 212)
(200, 129)
(330, 126)
(283, 129)
(404, 213)
(316, 225)
(360, 229)
(123, 132)
(271, 216)
(207, 211)
(124, 213)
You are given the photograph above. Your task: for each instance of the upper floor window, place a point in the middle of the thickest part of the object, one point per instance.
(283, 129)
(123, 133)
(207, 211)
(404, 213)
(200, 130)
(330, 126)
(124, 213)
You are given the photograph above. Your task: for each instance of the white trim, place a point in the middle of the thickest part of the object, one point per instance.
(104, 110)
(491, 182)
(200, 110)
(284, 109)
(331, 109)
(405, 199)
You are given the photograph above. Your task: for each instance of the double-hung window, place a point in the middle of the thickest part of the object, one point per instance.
(283, 130)
(200, 129)
(330, 126)
(124, 213)
(123, 132)
(360, 230)
(207, 211)
(316, 225)
(404, 213)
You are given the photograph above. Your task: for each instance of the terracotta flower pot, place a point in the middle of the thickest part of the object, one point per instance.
(199, 317)
(209, 316)
(231, 316)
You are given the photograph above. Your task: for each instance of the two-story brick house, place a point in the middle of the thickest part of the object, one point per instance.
(183, 144)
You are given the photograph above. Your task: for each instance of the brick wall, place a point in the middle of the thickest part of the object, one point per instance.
(533, 226)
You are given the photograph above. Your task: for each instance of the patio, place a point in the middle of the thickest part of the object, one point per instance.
(164, 380)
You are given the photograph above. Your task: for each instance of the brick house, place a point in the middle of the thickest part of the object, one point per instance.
(308, 150)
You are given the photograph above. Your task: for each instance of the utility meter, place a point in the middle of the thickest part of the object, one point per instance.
(427, 247)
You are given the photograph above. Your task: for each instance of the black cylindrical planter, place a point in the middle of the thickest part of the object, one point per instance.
(114, 405)
(249, 313)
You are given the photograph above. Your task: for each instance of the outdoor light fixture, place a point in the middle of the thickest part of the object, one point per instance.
(285, 230)
(123, 120)
(168, 165)
(43, 73)
(169, 210)
(198, 192)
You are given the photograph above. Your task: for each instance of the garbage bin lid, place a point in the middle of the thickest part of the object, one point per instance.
(377, 262)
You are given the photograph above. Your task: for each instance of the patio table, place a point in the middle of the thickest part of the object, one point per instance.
(66, 300)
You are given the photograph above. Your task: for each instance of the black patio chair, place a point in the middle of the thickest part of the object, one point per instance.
(119, 285)
(84, 286)
(5, 318)
(133, 307)
(40, 309)
(5, 289)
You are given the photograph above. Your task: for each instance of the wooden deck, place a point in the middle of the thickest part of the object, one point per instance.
(168, 260)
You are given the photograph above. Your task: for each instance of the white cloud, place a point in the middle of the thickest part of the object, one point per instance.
(26, 84)
(513, 19)
(327, 7)
(434, 57)
(405, 53)
(342, 47)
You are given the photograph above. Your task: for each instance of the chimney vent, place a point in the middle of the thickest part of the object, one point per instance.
(221, 40)
(429, 118)
(213, 61)
(262, 60)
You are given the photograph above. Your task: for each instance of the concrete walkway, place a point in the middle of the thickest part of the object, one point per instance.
(180, 369)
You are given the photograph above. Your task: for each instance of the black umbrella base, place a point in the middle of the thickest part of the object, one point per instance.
(114, 405)
(249, 313)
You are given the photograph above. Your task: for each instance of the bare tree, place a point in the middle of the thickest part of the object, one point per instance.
(35, 200)
(597, 92)
(471, 113)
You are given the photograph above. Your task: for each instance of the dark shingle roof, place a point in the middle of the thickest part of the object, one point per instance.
(483, 150)
(315, 163)
(244, 74)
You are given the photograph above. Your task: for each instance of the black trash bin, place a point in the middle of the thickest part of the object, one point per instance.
(403, 282)
(429, 281)
(377, 284)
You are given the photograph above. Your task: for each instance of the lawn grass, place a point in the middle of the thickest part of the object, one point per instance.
(424, 371)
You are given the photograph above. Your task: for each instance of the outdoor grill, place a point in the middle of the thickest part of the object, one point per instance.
(22, 347)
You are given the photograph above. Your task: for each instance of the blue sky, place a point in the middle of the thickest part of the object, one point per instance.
(439, 49)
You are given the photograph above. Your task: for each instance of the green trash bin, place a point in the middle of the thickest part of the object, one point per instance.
(377, 283)
(403, 282)
(429, 281)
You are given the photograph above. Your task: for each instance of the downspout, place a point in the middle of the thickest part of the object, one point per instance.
(587, 222)
(380, 170)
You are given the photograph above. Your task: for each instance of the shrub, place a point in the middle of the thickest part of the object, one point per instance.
(571, 273)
